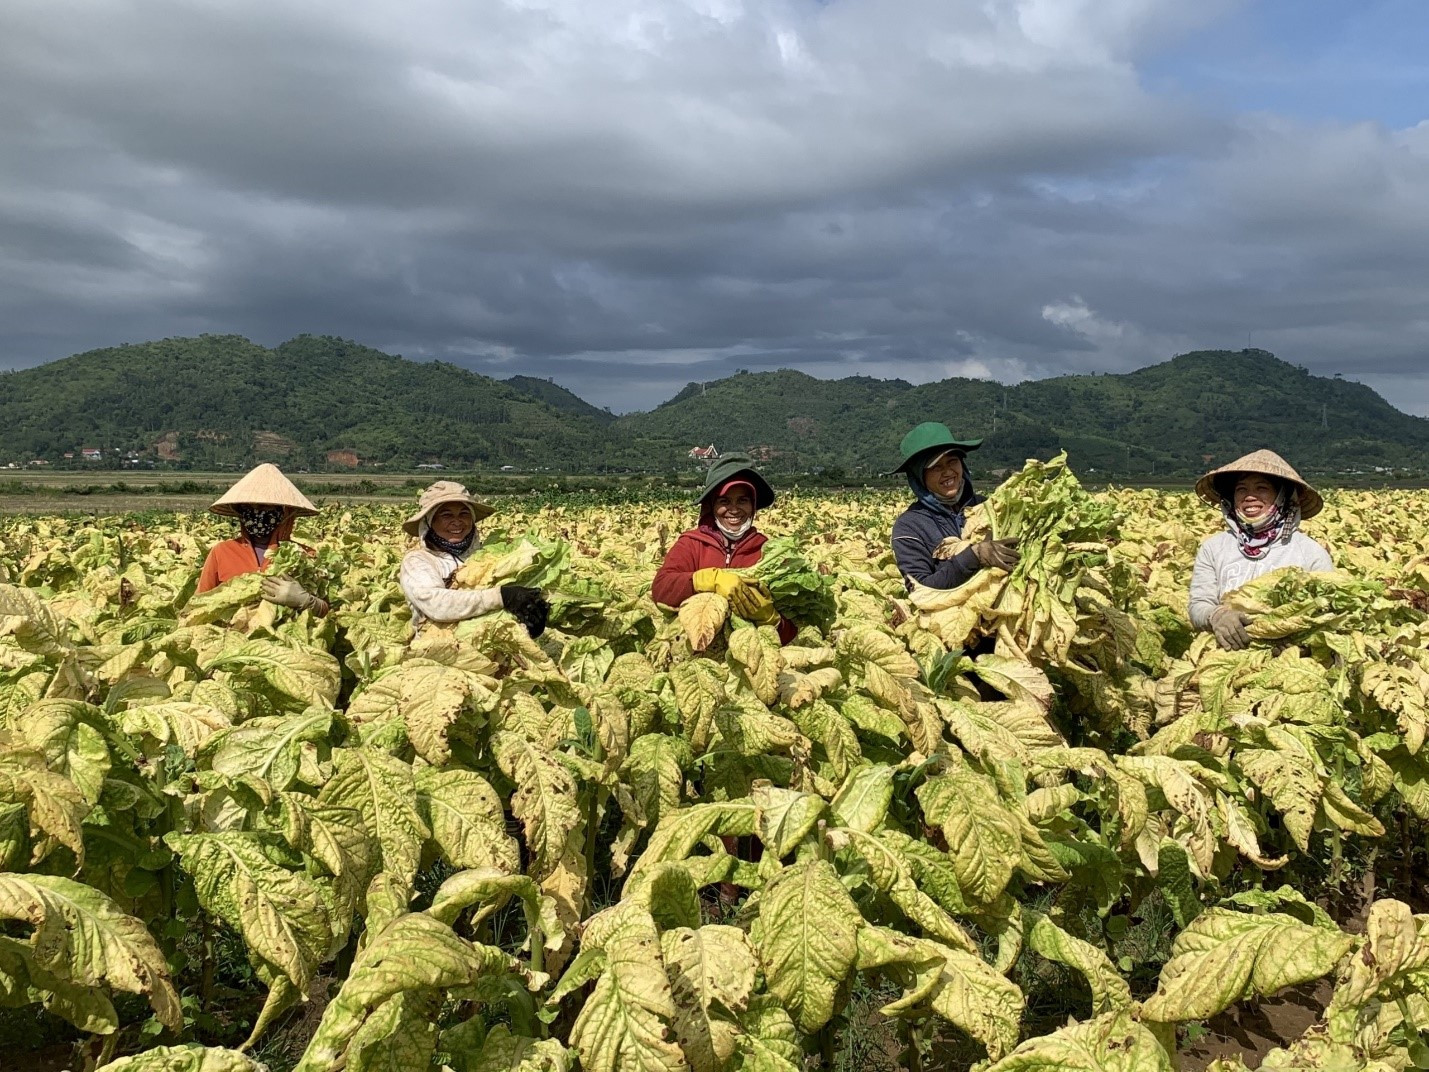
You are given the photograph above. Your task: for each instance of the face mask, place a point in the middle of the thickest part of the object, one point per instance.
(735, 533)
(259, 522)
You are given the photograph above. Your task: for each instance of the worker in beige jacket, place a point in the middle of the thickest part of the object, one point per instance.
(1263, 501)
(445, 526)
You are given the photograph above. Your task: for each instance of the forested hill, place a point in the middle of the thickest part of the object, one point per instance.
(322, 402)
(222, 400)
(1168, 418)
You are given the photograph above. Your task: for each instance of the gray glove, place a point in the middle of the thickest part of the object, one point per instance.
(1001, 554)
(1228, 624)
(286, 592)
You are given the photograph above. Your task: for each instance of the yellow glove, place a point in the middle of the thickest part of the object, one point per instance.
(752, 603)
(722, 582)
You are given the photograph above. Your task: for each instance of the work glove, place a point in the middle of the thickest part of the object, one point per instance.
(527, 606)
(1228, 624)
(283, 590)
(722, 582)
(1001, 554)
(753, 603)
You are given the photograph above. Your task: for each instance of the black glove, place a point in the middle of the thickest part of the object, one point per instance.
(527, 606)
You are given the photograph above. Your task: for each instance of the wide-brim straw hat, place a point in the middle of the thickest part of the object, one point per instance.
(1266, 463)
(445, 491)
(264, 486)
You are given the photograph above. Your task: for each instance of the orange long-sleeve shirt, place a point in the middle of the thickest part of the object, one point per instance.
(229, 559)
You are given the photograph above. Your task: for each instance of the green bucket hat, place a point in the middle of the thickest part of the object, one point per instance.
(742, 466)
(928, 436)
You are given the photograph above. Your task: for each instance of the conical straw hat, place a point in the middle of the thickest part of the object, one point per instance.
(445, 491)
(264, 486)
(1267, 463)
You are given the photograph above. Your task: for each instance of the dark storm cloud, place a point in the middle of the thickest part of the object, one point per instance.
(633, 195)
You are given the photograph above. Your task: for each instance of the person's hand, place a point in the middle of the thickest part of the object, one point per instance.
(1001, 554)
(527, 606)
(753, 603)
(286, 592)
(722, 582)
(1228, 624)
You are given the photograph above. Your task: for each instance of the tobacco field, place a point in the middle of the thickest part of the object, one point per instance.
(1032, 823)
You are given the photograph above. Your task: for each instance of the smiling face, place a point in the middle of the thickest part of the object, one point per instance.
(945, 476)
(734, 508)
(452, 521)
(1254, 496)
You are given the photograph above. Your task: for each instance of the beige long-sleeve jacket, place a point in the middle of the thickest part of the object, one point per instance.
(424, 577)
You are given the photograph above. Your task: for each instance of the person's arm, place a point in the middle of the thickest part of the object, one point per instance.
(787, 630)
(1318, 560)
(1205, 590)
(674, 581)
(426, 589)
(914, 555)
(208, 576)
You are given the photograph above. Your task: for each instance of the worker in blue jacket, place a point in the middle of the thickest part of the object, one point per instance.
(935, 463)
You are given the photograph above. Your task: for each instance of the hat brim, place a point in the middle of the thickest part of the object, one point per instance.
(964, 445)
(479, 511)
(231, 509)
(1311, 501)
(763, 491)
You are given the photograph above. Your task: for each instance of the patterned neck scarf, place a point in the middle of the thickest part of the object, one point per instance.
(259, 523)
(452, 547)
(1255, 537)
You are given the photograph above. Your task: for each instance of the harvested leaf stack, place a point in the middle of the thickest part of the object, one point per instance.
(800, 592)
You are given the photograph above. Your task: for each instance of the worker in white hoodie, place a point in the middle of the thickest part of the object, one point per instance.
(1263, 501)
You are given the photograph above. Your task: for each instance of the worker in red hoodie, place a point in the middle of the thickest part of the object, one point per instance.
(705, 558)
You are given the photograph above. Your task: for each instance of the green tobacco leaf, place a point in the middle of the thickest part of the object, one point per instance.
(504, 1052)
(414, 953)
(771, 1041)
(712, 972)
(984, 836)
(270, 748)
(624, 1024)
(36, 628)
(862, 801)
(1396, 945)
(952, 983)
(55, 806)
(786, 817)
(382, 789)
(69, 734)
(187, 725)
(282, 915)
(400, 1036)
(466, 819)
(1110, 992)
(678, 834)
(807, 938)
(545, 799)
(309, 676)
(1110, 1043)
(188, 1058)
(893, 874)
(82, 937)
(1224, 956)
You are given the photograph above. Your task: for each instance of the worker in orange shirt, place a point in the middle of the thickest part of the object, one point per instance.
(266, 503)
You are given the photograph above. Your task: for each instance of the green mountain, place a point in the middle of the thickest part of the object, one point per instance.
(557, 397)
(225, 401)
(314, 402)
(1169, 418)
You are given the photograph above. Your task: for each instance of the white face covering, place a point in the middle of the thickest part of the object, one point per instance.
(735, 533)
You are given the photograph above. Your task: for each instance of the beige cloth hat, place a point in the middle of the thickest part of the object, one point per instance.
(264, 486)
(1266, 463)
(445, 491)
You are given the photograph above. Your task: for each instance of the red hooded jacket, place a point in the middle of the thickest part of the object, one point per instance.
(700, 549)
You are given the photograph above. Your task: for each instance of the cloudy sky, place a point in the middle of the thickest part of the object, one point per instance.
(626, 195)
